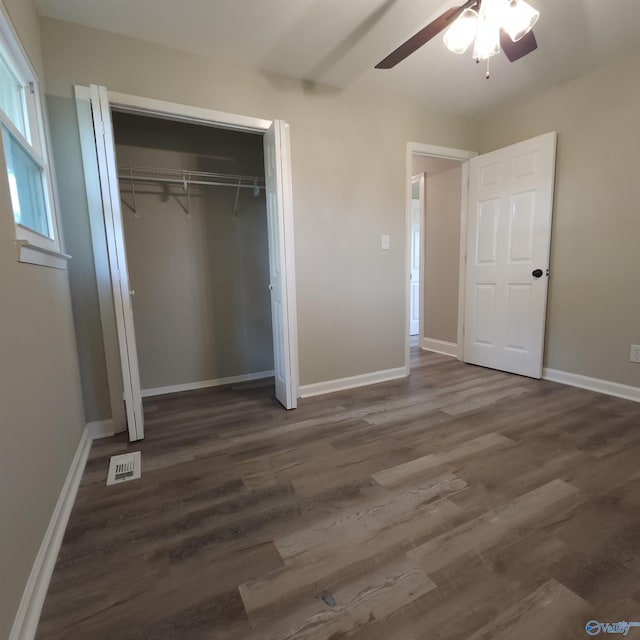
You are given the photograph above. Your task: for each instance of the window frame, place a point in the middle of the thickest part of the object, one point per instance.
(31, 246)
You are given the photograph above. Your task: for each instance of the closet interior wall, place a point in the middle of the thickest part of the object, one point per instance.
(198, 263)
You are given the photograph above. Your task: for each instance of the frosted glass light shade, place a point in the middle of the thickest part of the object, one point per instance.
(518, 18)
(459, 36)
(488, 33)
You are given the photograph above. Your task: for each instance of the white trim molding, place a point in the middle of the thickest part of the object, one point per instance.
(439, 346)
(592, 384)
(186, 113)
(204, 384)
(341, 384)
(35, 254)
(28, 615)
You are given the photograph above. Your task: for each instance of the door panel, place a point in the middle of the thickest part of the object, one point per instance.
(487, 232)
(508, 237)
(110, 192)
(522, 227)
(484, 328)
(278, 189)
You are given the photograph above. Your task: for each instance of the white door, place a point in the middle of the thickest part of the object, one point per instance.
(105, 147)
(508, 242)
(281, 261)
(414, 272)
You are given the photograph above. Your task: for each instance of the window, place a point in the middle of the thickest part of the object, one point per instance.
(25, 186)
(25, 154)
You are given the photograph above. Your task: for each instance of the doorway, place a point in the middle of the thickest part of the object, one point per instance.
(95, 106)
(436, 179)
(416, 233)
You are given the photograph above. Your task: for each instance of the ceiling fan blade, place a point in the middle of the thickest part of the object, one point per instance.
(516, 50)
(423, 36)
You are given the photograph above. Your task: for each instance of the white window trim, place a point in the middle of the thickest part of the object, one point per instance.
(31, 246)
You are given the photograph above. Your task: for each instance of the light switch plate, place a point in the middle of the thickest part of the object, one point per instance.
(384, 242)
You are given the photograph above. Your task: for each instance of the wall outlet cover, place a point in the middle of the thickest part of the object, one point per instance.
(635, 353)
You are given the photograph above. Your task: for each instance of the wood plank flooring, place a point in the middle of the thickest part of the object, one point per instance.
(457, 503)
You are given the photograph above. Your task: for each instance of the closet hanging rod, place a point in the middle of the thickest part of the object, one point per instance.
(190, 181)
(186, 176)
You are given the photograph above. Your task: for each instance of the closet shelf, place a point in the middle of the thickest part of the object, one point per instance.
(186, 177)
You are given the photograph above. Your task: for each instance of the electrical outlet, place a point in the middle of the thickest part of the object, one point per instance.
(635, 353)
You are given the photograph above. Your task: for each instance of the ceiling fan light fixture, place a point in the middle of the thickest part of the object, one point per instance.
(518, 19)
(459, 36)
(488, 34)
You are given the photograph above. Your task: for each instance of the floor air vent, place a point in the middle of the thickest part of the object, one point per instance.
(126, 466)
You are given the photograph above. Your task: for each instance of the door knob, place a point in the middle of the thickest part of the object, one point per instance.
(537, 273)
(132, 292)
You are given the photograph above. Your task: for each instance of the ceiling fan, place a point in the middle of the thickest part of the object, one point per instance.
(492, 25)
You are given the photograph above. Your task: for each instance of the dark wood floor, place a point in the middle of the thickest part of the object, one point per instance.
(458, 503)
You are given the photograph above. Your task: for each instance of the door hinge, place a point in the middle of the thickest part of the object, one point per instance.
(32, 88)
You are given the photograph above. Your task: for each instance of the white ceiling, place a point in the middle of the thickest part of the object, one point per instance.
(338, 42)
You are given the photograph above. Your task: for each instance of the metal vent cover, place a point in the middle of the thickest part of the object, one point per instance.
(124, 467)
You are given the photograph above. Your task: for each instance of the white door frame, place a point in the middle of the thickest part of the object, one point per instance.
(463, 156)
(209, 117)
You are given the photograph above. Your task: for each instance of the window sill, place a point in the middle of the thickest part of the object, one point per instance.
(33, 254)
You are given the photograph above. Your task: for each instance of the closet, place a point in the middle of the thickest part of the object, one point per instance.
(195, 226)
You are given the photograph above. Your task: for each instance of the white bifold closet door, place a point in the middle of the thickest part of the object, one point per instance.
(281, 254)
(508, 243)
(281, 261)
(110, 191)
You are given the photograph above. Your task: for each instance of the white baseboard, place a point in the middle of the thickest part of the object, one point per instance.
(593, 384)
(439, 346)
(28, 615)
(341, 384)
(103, 429)
(204, 384)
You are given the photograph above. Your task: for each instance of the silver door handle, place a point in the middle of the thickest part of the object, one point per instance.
(270, 287)
(132, 292)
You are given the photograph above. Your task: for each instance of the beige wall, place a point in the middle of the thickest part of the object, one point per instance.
(442, 254)
(202, 306)
(41, 416)
(350, 294)
(431, 165)
(594, 307)
(70, 177)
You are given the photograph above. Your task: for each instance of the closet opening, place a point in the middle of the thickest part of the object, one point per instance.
(194, 216)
